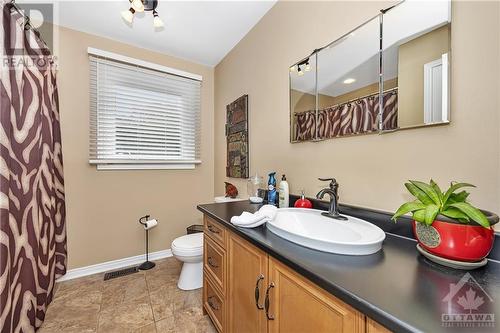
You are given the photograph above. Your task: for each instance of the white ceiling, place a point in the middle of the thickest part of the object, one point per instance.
(199, 31)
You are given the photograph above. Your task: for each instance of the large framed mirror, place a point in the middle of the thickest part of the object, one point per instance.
(391, 72)
(416, 58)
(348, 83)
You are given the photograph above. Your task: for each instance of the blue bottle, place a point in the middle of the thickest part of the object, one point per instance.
(272, 195)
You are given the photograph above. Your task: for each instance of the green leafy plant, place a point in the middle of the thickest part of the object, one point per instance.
(431, 201)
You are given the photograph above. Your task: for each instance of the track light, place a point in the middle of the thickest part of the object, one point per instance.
(137, 5)
(128, 15)
(300, 72)
(308, 67)
(157, 22)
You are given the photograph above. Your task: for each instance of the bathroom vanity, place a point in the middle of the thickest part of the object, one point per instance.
(246, 290)
(255, 281)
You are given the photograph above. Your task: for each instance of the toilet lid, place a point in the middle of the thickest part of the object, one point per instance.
(189, 242)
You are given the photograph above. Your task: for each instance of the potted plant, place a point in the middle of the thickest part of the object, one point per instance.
(446, 224)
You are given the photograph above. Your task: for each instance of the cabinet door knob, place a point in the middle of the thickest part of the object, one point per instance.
(269, 316)
(212, 262)
(257, 292)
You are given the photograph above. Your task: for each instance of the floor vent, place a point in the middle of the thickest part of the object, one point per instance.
(121, 272)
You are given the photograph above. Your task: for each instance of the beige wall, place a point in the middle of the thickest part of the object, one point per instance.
(302, 101)
(103, 206)
(413, 55)
(372, 168)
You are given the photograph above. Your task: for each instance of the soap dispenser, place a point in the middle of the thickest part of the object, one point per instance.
(303, 202)
(271, 186)
(284, 193)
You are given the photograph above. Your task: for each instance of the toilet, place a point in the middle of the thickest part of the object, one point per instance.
(189, 250)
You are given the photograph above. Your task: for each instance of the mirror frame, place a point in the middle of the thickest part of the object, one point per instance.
(380, 129)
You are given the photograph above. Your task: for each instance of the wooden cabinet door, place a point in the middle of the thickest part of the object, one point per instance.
(247, 280)
(298, 305)
(374, 327)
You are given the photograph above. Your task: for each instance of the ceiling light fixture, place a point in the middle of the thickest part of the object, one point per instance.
(308, 66)
(301, 67)
(138, 6)
(349, 81)
(157, 22)
(128, 15)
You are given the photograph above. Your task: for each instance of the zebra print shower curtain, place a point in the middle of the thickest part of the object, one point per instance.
(32, 206)
(355, 117)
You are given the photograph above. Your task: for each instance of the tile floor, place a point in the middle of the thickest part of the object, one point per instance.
(143, 302)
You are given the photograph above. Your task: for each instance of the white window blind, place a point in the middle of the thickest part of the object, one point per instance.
(141, 117)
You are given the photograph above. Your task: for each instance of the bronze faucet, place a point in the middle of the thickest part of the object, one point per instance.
(332, 191)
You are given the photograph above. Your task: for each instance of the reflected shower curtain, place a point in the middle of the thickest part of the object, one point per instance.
(359, 116)
(32, 207)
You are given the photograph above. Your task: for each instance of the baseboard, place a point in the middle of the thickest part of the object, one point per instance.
(113, 265)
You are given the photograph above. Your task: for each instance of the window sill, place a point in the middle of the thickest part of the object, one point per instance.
(104, 167)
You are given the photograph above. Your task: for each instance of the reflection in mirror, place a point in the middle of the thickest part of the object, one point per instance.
(348, 83)
(416, 56)
(303, 99)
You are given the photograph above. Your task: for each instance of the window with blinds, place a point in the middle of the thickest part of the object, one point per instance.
(142, 117)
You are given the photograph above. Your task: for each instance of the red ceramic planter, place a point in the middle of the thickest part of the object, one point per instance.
(451, 239)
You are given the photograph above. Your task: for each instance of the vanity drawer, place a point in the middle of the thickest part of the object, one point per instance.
(214, 304)
(215, 231)
(214, 262)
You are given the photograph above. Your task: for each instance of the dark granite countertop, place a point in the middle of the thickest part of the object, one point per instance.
(397, 287)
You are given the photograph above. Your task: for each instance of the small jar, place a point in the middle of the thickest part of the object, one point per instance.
(254, 184)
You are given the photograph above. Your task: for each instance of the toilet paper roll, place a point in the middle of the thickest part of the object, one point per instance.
(150, 224)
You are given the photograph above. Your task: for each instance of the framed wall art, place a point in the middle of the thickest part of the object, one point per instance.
(237, 138)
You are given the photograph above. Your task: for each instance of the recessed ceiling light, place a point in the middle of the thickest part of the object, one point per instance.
(349, 81)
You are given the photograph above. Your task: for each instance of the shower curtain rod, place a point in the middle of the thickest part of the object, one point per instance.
(27, 21)
(365, 96)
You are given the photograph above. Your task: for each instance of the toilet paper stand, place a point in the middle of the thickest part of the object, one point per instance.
(147, 264)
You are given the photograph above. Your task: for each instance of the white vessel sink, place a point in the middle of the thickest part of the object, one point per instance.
(307, 227)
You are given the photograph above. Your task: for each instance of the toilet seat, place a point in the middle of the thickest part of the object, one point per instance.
(188, 245)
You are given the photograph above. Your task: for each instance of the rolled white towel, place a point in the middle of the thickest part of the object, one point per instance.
(248, 220)
(269, 211)
(253, 225)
